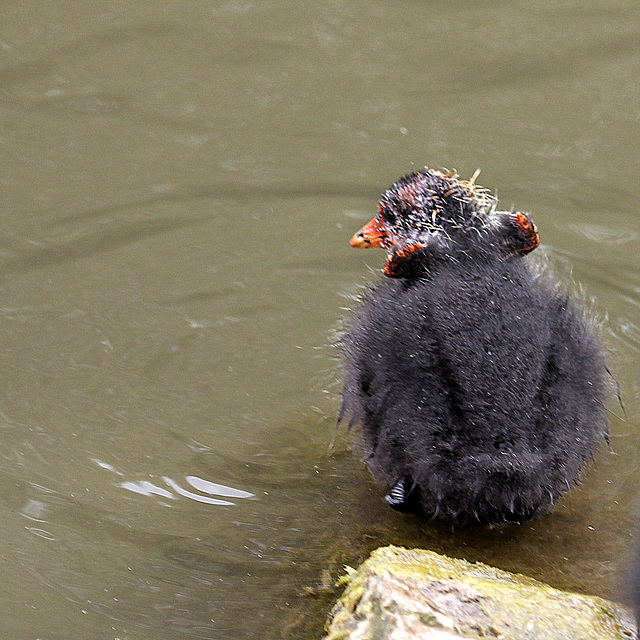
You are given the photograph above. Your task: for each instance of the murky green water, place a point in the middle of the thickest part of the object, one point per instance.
(179, 182)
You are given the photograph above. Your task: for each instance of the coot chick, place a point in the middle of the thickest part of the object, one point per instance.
(478, 387)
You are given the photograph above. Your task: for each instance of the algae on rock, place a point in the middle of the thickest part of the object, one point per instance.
(413, 593)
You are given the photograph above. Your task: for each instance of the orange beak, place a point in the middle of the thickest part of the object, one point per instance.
(373, 234)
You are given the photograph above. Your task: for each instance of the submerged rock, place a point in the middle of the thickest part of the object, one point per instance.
(410, 594)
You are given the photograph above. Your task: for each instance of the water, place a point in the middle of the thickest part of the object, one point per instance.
(179, 183)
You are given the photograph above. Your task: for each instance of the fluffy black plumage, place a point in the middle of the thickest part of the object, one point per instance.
(479, 388)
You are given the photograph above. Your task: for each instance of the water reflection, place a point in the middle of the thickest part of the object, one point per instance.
(148, 488)
(217, 489)
(193, 496)
(177, 181)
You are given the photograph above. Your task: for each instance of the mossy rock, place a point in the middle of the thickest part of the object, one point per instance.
(413, 593)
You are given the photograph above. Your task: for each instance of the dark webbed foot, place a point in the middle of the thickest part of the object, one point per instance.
(403, 496)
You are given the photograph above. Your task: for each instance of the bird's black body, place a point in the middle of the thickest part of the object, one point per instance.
(479, 389)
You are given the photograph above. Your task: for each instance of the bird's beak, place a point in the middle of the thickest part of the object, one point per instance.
(373, 234)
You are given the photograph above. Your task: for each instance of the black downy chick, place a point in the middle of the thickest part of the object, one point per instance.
(479, 389)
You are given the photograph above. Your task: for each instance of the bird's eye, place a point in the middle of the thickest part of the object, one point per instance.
(389, 217)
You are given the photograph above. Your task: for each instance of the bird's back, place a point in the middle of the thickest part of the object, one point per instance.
(452, 377)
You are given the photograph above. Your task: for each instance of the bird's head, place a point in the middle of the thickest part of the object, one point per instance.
(430, 215)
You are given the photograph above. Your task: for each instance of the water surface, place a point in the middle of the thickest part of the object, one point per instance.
(179, 184)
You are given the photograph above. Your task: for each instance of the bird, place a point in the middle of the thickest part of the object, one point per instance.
(477, 383)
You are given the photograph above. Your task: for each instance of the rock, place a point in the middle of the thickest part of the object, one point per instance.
(411, 594)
